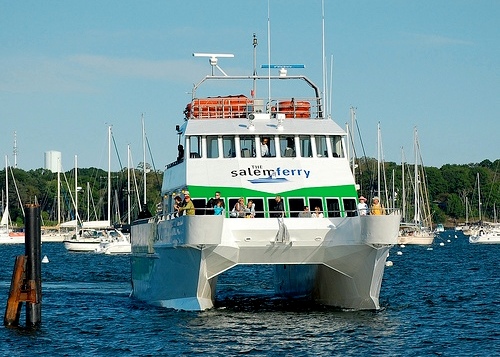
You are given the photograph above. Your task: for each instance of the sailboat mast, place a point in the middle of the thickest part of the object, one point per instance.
(59, 192)
(378, 159)
(479, 195)
(144, 159)
(128, 183)
(403, 205)
(416, 178)
(7, 193)
(109, 175)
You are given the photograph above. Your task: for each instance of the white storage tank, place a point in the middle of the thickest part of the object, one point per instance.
(53, 161)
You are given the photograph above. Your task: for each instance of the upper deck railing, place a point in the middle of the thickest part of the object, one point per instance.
(240, 106)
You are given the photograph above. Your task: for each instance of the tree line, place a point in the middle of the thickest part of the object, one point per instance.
(456, 192)
(40, 186)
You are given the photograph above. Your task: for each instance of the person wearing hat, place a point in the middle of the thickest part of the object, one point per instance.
(188, 205)
(376, 208)
(362, 206)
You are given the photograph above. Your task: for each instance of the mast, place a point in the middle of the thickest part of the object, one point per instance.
(479, 196)
(76, 194)
(128, 183)
(109, 175)
(378, 160)
(254, 91)
(403, 184)
(144, 160)
(416, 181)
(59, 192)
(6, 194)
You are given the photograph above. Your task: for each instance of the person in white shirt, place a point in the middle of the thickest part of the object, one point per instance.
(362, 206)
(317, 213)
(264, 148)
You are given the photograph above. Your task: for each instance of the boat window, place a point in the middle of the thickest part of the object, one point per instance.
(333, 207)
(212, 146)
(199, 206)
(317, 202)
(228, 146)
(287, 146)
(336, 143)
(267, 146)
(259, 206)
(321, 148)
(305, 146)
(350, 207)
(247, 145)
(271, 202)
(295, 205)
(195, 146)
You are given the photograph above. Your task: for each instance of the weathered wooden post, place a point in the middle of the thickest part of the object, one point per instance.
(33, 243)
(26, 283)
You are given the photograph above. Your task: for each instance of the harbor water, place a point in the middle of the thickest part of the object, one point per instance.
(440, 300)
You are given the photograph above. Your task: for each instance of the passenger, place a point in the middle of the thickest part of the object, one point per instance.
(264, 147)
(362, 206)
(213, 201)
(317, 213)
(219, 208)
(180, 155)
(239, 209)
(305, 213)
(377, 209)
(177, 205)
(278, 209)
(187, 206)
(250, 209)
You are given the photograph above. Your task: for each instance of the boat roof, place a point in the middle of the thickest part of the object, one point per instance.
(270, 126)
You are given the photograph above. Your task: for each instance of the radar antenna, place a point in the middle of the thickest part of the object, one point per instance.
(213, 59)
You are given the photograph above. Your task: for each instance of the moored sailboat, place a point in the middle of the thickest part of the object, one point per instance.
(419, 229)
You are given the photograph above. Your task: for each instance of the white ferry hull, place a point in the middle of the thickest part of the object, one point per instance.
(337, 261)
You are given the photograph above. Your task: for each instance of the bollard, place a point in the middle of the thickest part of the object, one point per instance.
(26, 283)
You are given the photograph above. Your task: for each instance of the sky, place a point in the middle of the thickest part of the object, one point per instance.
(70, 69)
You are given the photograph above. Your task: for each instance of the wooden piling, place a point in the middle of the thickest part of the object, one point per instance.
(26, 285)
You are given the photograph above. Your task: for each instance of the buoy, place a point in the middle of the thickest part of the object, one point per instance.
(402, 245)
(441, 244)
(388, 263)
(45, 259)
(448, 241)
(399, 252)
(430, 248)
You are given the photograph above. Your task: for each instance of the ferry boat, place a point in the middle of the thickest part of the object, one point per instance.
(336, 260)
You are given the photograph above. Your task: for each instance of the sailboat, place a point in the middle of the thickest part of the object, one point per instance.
(419, 229)
(7, 235)
(92, 233)
(485, 232)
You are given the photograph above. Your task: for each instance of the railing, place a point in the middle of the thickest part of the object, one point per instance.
(275, 214)
(240, 107)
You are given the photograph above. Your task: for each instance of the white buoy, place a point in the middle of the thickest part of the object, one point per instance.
(45, 259)
(441, 244)
(402, 245)
(388, 263)
(399, 252)
(430, 248)
(448, 241)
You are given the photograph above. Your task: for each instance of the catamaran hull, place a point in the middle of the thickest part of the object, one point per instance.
(338, 262)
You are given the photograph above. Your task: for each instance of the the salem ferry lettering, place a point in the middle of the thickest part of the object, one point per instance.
(257, 174)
